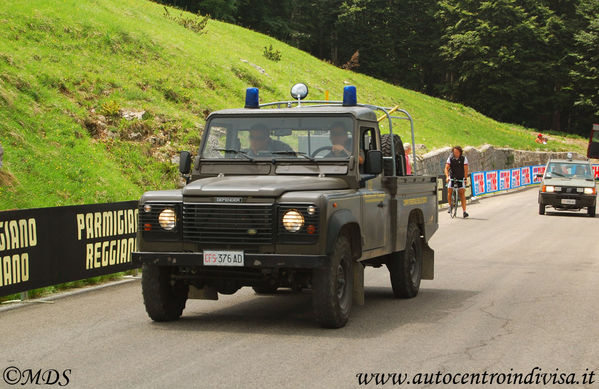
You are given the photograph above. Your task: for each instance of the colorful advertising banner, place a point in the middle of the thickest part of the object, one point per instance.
(525, 176)
(492, 181)
(478, 183)
(504, 179)
(535, 171)
(515, 178)
(497, 180)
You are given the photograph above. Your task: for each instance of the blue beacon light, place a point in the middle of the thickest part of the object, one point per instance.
(350, 96)
(252, 99)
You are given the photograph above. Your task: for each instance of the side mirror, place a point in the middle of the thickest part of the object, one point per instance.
(374, 162)
(185, 162)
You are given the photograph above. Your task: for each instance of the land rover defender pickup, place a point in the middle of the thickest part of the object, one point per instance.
(292, 194)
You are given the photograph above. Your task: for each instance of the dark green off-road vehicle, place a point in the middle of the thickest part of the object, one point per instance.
(293, 194)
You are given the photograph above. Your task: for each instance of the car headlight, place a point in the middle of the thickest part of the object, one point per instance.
(293, 220)
(549, 189)
(168, 219)
(590, 191)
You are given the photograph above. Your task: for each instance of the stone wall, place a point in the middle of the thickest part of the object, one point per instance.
(486, 158)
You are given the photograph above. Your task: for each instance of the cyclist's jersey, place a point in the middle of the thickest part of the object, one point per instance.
(456, 166)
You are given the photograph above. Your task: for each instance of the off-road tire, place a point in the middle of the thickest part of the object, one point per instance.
(332, 287)
(399, 154)
(405, 267)
(164, 299)
(541, 209)
(591, 211)
(265, 289)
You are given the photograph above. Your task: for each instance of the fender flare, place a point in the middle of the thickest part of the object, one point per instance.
(339, 220)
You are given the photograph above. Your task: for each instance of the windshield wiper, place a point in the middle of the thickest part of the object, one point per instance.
(295, 153)
(236, 152)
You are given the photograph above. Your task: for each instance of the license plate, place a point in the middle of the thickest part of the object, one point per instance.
(568, 201)
(223, 258)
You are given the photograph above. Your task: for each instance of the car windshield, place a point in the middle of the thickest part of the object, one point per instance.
(570, 170)
(305, 138)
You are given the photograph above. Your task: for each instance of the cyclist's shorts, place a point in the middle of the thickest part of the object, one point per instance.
(455, 184)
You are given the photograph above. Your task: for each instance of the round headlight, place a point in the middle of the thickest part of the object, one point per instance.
(293, 220)
(168, 219)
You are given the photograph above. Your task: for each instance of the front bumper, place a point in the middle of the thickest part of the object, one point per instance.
(555, 200)
(256, 261)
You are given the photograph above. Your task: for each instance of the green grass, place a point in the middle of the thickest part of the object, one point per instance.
(61, 61)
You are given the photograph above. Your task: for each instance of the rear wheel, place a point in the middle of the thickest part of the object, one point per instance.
(164, 299)
(405, 267)
(541, 209)
(332, 287)
(591, 211)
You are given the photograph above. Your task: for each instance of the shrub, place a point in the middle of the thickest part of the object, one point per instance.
(110, 108)
(272, 54)
(196, 23)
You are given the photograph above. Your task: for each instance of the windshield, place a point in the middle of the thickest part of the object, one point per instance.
(570, 170)
(306, 138)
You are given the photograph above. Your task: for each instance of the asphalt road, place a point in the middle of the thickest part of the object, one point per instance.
(513, 290)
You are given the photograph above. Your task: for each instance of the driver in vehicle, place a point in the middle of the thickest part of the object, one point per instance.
(261, 143)
(341, 144)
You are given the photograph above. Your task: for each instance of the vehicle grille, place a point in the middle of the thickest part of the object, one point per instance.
(228, 224)
(568, 189)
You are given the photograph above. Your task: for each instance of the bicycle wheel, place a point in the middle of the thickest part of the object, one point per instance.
(455, 203)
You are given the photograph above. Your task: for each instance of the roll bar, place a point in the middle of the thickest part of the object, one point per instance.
(387, 113)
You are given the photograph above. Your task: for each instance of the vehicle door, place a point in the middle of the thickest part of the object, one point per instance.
(375, 202)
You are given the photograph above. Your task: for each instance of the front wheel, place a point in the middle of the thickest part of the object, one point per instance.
(541, 209)
(164, 299)
(332, 287)
(405, 267)
(591, 211)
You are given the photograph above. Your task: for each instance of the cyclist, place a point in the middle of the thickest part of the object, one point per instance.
(456, 168)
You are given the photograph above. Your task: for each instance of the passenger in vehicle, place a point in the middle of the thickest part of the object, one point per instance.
(261, 143)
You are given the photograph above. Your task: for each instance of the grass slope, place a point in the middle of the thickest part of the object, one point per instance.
(63, 63)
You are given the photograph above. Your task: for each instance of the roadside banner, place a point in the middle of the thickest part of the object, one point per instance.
(525, 176)
(537, 170)
(48, 246)
(515, 178)
(492, 181)
(499, 180)
(478, 183)
(504, 179)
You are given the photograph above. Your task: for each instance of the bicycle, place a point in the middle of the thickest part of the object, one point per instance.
(455, 195)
